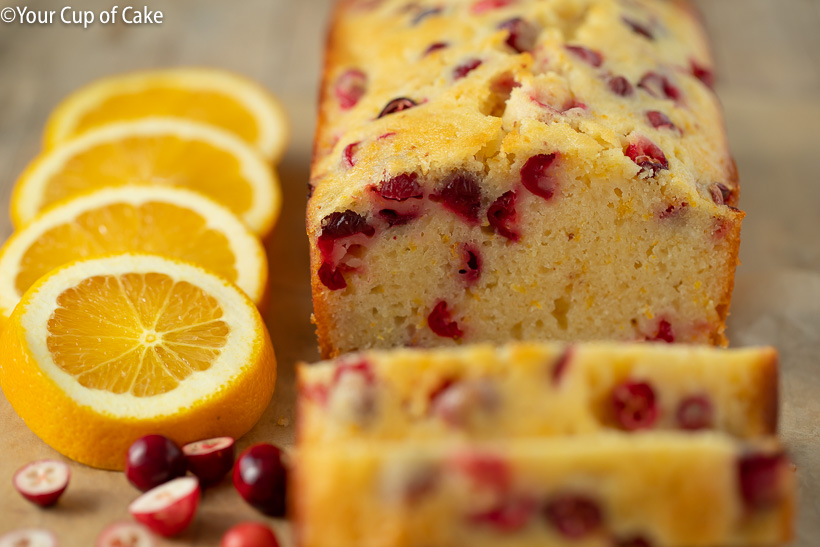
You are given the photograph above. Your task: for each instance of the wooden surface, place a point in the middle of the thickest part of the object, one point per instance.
(768, 58)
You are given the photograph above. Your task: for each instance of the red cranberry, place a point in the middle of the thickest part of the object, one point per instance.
(510, 515)
(695, 413)
(461, 194)
(659, 119)
(153, 460)
(673, 210)
(721, 194)
(434, 47)
(522, 34)
(210, 460)
(485, 469)
(349, 151)
(465, 68)
(260, 477)
(587, 55)
(634, 405)
(703, 74)
(339, 225)
(249, 534)
(573, 516)
(350, 87)
(331, 277)
(561, 365)
(665, 332)
(425, 14)
(647, 155)
(442, 324)
(42, 482)
(638, 28)
(361, 367)
(470, 269)
(486, 5)
(400, 188)
(503, 217)
(620, 86)
(395, 218)
(759, 479)
(397, 105)
(536, 178)
(659, 86)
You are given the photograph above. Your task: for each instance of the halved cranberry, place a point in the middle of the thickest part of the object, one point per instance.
(260, 477)
(638, 28)
(249, 534)
(587, 55)
(351, 85)
(561, 365)
(339, 225)
(659, 86)
(442, 324)
(522, 34)
(665, 332)
(721, 194)
(759, 479)
(425, 14)
(634, 405)
(574, 516)
(349, 151)
(434, 47)
(461, 194)
(465, 68)
(331, 277)
(395, 218)
(647, 155)
(397, 105)
(470, 269)
(360, 367)
(703, 74)
(695, 412)
(673, 210)
(659, 119)
(536, 178)
(486, 5)
(510, 515)
(503, 217)
(400, 188)
(620, 86)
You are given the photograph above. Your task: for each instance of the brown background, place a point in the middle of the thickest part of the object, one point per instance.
(768, 58)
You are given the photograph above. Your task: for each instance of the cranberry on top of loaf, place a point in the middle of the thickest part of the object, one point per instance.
(520, 169)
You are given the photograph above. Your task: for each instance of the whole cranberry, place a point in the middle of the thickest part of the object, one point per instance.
(695, 412)
(573, 516)
(249, 534)
(759, 478)
(634, 405)
(153, 460)
(260, 477)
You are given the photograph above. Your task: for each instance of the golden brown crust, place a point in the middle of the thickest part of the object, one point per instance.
(768, 402)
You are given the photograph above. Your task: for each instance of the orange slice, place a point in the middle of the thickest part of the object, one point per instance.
(102, 351)
(210, 96)
(152, 219)
(155, 151)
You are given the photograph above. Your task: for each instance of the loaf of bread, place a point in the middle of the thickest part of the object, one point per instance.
(496, 170)
(658, 489)
(532, 389)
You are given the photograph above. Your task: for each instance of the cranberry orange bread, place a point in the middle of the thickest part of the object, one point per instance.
(501, 170)
(529, 389)
(643, 489)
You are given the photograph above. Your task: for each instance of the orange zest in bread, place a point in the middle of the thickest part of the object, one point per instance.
(494, 170)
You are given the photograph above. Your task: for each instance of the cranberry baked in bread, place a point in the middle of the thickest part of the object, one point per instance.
(657, 489)
(496, 170)
(541, 390)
